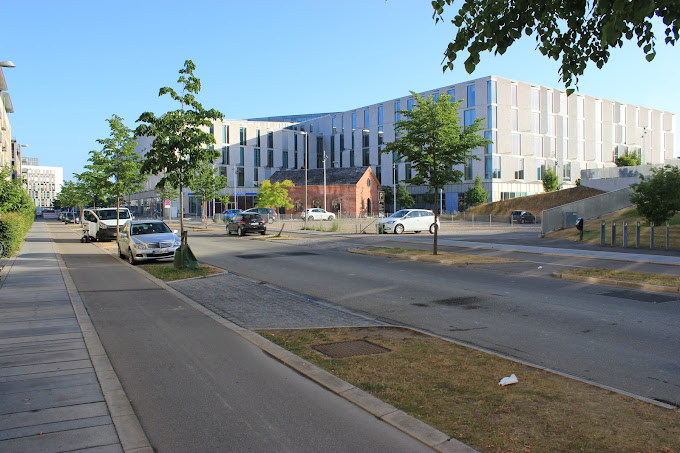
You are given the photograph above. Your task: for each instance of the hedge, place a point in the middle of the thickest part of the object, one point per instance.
(13, 228)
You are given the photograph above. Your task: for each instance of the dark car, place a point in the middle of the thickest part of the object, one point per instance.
(522, 217)
(266, 213)
(245, 222)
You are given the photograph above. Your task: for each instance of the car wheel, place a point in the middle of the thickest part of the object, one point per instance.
(241, 232)
(228, 231)
(398, 229)
(131, 257)
(310, 218)
(263, 232)
(271, 219)
(521, 221)
(120, 253)
(432, 227)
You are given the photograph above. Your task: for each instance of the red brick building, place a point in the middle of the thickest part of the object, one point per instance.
(352, 190)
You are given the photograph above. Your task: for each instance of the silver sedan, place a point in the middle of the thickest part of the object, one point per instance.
(143, 240)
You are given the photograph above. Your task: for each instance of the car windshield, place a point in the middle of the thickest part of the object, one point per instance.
(110, 214)
(401, 213)
(149, 228)
(252, 217)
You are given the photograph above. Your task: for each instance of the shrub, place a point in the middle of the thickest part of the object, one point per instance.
(13, 229)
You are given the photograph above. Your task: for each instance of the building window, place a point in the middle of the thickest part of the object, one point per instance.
(319, 152)
(225, 133)
(538, 146)
(225, 155)
(366, 119)
(492, 167)
(380, 115)
(365, 157)
(470, 95)
(284, 164)
(519, 171)
(491, 91)
(467, 169)
(535, 122)
(408, 173)
(335, 125)
(241, 153)
(513, 95)
(256, 176)
(469, 117)
(452, 94)
(256, 157)
(535, 99)
(540, 170)
(491, 117)
(354, 120)
(435, 97)
(567, 171)
(397, 108)
(515, 119)
(241, 177)
(242, 136)
(270, 139)
(351, 158)
(489, 147)
(332, 151)
(378, 174)
(409, 104)
(380, 136)
(270, 158)
(258, 143)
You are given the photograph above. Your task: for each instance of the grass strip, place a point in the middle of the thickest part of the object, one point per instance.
(168, 273)
(627, 276)
(455, 389)
(410, 253)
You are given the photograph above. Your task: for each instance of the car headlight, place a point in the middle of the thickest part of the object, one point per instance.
(140, 245)
(177, 243)
(102, 226)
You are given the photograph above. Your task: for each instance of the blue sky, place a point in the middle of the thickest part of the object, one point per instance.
(79, 62)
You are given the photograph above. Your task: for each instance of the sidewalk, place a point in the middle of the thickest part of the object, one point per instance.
(58, 391)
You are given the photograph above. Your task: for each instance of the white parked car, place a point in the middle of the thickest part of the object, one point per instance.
(317, 214)
(416, 220)
(143, 240)
(100, 223)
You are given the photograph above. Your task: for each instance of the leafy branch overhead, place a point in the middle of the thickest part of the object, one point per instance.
(577, 32)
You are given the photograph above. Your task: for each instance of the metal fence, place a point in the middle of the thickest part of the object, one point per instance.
(588, 208)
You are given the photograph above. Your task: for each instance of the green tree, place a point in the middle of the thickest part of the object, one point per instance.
(181, 143)
(433, 141)
(549, 178)
(120, 163)
(628, 159)
(404, 199)
(658, 197)
(274, 195)
(13, 197)
(476, 194)
(576, 31)
(207, 184)
(94, 182)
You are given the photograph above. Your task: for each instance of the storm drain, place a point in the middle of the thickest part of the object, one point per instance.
(351, 348)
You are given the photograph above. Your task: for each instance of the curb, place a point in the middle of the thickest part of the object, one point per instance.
(607, 281)
(130, 433)
(428, 259)
(389, 414)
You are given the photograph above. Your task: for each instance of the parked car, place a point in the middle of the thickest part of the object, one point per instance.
(317, 214)
(520, 216)
(229, 213)
(266, 213)
(416, 220)
(100, 223)
(246, 222)
(144, 240)
(50, 214)
(62, 216)
(71, 217)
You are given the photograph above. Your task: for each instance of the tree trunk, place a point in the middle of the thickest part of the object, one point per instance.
(181, 227)
(436, 217)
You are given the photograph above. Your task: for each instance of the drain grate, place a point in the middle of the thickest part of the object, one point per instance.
(351, 348)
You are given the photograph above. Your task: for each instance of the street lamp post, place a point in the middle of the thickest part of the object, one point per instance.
(644, 134)
(304, 149)
(394, 185)
(325, 158)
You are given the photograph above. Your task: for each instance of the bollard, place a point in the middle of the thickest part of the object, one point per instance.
(668, 236)
(613, 233)
(602, 227)
(625, 234)
(637, 235)
(489, 219)
(651, 237)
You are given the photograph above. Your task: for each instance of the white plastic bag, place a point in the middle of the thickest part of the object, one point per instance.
(512, 379)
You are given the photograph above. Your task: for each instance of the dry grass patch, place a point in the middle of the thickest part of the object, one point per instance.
(455, 389)
(168, 273)
(449, 257)
(627, 276)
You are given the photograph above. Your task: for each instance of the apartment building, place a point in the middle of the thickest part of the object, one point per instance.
(532, 128)
(43, 183)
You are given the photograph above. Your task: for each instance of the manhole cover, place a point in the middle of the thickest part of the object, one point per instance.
(350, 348)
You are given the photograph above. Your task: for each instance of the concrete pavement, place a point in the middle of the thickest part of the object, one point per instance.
(58, 391)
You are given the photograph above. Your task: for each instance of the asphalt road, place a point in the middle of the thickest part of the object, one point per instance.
(619, 337)
(196, 386)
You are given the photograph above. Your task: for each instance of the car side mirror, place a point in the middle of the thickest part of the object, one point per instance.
(175, 231)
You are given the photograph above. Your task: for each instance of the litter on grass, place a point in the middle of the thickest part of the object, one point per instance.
(512, 379)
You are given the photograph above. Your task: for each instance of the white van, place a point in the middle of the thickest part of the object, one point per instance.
(100, 223)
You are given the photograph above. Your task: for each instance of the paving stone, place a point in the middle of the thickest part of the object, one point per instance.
(38, 430)
(97, 436)
(43, 357)
(45, 367)
(42, 399)
(50, 346)
(29, 384)
(53, 415)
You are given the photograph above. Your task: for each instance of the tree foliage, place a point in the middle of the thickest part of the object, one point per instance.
(432, 139)
(13, 197)
(577, 32)
(274, 195)
(181, 142)
(628, 159)
(550, 181)
(658, 197)
(93, 183)
(404, 198)
(476, 194)
(208, 184)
